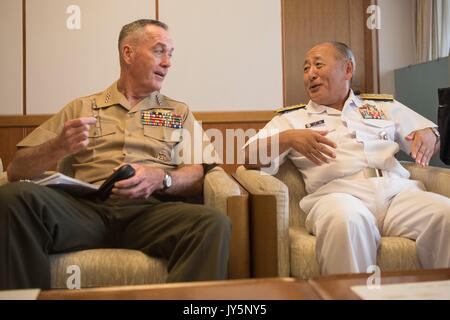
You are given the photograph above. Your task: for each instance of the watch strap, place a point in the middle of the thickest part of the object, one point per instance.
(436, 133)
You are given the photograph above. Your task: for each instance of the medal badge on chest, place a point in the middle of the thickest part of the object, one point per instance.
(369, 111)
(161, 119)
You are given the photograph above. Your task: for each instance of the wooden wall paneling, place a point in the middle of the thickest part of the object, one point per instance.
(234, 117)
(308, 22)
(295, 25)
(28, 130)
(357, 43)
(9, 138)
(305, 24)
(231, 166)
(22, 121)
(24, 57)
(372, 75)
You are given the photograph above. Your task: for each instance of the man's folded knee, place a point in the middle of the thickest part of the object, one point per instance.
(218, 221)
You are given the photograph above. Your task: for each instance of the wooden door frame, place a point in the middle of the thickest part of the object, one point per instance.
(371, 52)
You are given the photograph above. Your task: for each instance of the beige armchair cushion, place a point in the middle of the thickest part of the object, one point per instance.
(217, 188)
(394, 254)
(3, 175)
(107, 267)
(435, 179)
(397, 253)
(304, 264)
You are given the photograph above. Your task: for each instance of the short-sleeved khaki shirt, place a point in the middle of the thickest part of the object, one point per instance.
(126, 135)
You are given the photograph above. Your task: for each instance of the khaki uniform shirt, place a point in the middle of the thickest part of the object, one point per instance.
(122, 136)
(361, 142)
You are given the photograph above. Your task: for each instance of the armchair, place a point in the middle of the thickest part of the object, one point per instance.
(280, 244)
(113, 267)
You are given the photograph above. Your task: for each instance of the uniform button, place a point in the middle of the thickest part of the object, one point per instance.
(131, 115)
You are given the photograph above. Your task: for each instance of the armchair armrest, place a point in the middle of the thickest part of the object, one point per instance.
(3, 178)
(435, 179)
(64, 166)
(269, 202)
(222, 192)
(3, 175)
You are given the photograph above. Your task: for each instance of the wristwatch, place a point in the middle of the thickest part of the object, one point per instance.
(167, 181)
(436, 133)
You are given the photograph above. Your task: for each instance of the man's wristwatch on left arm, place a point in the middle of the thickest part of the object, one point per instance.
(436, 133)
(167, 181)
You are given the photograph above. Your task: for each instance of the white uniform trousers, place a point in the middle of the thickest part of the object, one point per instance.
(348, 218)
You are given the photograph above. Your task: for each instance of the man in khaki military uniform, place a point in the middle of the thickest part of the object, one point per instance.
(130, 122)
(345, 147)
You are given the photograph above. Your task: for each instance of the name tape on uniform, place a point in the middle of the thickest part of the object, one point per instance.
(319, 123)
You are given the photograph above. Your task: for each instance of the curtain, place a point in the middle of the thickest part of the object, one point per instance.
(432, 29)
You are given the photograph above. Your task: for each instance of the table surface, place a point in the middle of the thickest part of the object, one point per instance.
(335, 287)
(248, 289)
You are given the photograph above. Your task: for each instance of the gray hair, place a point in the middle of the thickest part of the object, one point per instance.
(344, 52)
(137, 25)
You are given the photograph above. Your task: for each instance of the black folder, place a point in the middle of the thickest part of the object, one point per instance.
(444, 123)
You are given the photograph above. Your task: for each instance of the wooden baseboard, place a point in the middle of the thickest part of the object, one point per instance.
(23, 121)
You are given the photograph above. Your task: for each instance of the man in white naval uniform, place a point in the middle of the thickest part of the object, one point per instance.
(338, 141)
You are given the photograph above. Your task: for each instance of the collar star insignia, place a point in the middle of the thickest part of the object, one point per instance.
(162, 156)
(108, 97)
(159, 99)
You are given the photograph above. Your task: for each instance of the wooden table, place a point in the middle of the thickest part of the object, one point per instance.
(249, 289)
(338, 287)
(335, 287)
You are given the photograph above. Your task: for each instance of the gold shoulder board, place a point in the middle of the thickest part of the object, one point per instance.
(376, 97)
(290, 108)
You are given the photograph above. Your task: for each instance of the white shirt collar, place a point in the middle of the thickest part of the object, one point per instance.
(314, 108)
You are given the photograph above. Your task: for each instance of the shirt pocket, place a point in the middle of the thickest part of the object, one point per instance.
(102, 130)
(102, 138)
(161, 141)
(376, 129)
(169, 135)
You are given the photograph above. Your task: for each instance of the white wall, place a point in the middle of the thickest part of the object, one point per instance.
(64, 64)
(228, 54)
(11, 80)
(396, 40)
